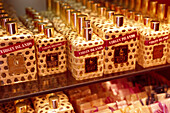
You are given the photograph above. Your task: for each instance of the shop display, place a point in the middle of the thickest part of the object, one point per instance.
(75, 41)
(109, 66)
(50, 45)
(153, 42)
(87, 56)
(120, 45)
(122, 37)
(161, 10)
(152, 45)
(116, 96)
(119, 96)
(75, 17)
(78, 57)
(51, 52)
(18, 63)
(17, 50)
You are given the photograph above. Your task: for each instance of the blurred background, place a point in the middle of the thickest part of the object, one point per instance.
(39, 5)
(20, 5)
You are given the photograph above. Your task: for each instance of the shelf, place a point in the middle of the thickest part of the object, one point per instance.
(63, 81)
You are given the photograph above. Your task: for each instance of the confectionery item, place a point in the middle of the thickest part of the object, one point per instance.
(80, 95)
(135, 110)
(166, 104)
(143, 101)
(96, 109)
(127, 109)
(108, 96)
(121, 104)
(156, 107)
(123, 92)
(112, 106)
(90, 106)
(131, 98)
(105, 111)
(17, 54)
(161, 96)
(117, 111)
(136, 104)
(144, 109)
(142, 95)
(83, 103)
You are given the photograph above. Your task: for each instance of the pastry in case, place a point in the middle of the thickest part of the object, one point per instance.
(82, 94)
(97, 105)
(153, 45)
(80, 102)
(17, 54)
(55, 102)
(82, 107)
(97, 109)
(51, 52)
(120, 45)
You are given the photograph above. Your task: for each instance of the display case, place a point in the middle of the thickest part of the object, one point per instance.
(63, 81)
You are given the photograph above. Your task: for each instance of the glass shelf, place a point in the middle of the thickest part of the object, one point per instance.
(63, 81)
